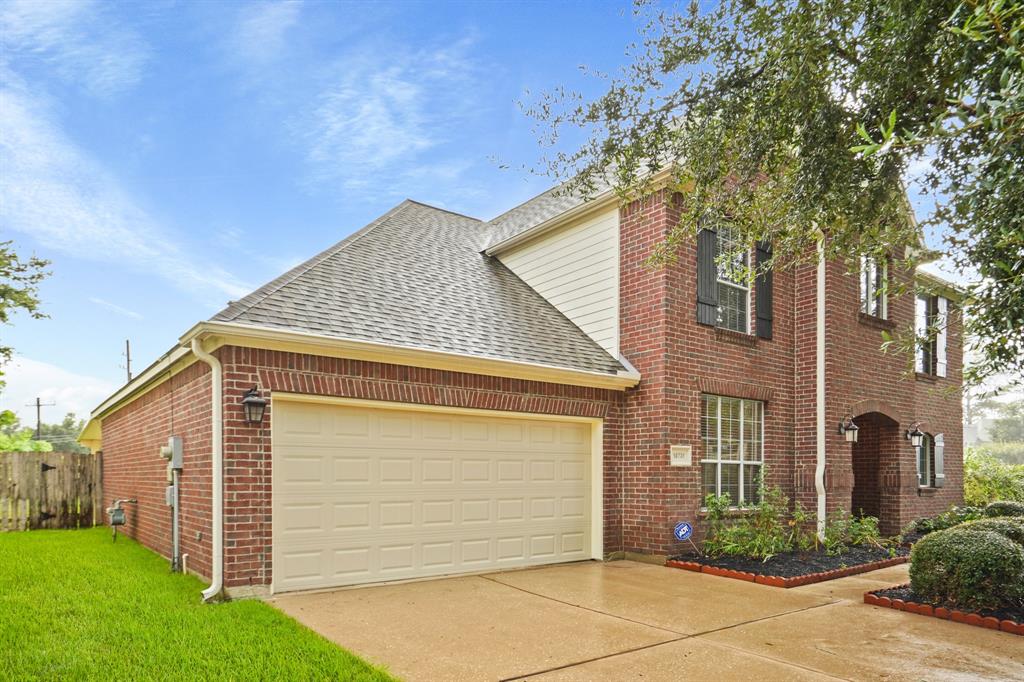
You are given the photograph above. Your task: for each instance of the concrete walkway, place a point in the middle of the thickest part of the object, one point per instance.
(626, 620)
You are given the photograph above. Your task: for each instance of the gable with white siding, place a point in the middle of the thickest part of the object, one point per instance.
(576, 268)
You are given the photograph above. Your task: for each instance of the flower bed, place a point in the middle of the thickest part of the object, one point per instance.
(792, 569)
(902, 598)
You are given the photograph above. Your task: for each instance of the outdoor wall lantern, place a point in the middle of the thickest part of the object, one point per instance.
(915, 435)
(849, 429)
(254, 406)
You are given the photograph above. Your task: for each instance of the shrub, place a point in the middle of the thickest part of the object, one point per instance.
(1004, 508)
(843, 531)
(769, 527)
(987, 479)
(761, 531)
(973, 569)
(953, 516)
(1010, 527)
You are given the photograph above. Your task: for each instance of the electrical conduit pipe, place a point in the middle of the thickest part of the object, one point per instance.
(217, 583)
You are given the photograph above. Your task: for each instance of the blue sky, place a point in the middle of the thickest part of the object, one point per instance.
(168, 157)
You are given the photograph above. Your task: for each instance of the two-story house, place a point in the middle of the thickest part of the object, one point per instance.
(441, 395)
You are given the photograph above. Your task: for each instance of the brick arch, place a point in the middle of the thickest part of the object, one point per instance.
(875, 405)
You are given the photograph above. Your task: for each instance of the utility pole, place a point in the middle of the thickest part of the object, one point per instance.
(39, 405)
(128, 358)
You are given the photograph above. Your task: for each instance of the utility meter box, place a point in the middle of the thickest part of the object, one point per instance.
(117, 517)
(174, 452)
(680, 455)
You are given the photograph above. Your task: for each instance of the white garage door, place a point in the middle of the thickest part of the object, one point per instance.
(367, 494)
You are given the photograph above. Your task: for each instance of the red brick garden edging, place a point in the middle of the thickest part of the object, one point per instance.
(976, 619)
(780, 581)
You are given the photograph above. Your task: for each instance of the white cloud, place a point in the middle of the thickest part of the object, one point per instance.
(80, 40)
(28, 379)
(113, 307)
(260, 34)
(382, 108)
(52, 190)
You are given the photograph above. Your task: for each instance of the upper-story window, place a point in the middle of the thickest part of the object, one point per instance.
(733, 289)
(873, 289)
(733, 433)
(930, 318)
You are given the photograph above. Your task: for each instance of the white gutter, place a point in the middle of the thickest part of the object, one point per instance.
(233, 333)
(819, 469)
(217, 584)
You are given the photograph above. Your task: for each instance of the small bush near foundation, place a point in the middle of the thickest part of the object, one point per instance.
(953, 516)
(1005, 508)
(843, 531)
(1010, 527)
(771, 527)
(971, 569)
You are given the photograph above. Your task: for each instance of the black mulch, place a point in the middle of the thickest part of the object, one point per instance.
(1016, 614)
(793, 564)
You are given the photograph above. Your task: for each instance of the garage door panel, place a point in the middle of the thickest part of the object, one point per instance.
(381, 494)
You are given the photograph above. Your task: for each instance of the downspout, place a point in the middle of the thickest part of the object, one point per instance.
(819, 469)
(217, 584)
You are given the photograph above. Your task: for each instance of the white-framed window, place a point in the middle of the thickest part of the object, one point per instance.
(733, 289)
(733, 433)
(873, 290)
(926, 462)
(930, 319)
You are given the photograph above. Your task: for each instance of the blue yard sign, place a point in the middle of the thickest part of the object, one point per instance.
(683, 531)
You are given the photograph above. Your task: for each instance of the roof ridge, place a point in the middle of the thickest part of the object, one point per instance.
(443, 210)
(301, 269)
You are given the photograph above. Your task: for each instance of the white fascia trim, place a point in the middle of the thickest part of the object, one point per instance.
(91, 434)
(599, 202)
(232, 333)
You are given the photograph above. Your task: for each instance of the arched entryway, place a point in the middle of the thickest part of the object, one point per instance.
(876, 470)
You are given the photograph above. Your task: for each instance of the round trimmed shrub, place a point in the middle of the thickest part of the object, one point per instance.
(1004, 508)
(972, 569)
(1010, 527)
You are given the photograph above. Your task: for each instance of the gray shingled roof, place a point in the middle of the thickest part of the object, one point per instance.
(416, 277)
(537, 210)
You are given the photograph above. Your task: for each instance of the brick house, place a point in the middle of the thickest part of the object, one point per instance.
(448, 395)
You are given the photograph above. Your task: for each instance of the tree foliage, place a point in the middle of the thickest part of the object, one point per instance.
(19, 287)
(797, 119)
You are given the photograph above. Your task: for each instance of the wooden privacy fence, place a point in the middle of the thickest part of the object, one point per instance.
(50, 490)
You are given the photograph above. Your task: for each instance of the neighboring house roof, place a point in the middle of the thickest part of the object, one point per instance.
(415, 277)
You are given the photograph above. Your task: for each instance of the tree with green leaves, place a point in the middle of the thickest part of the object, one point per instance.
(1008, 424)
(799, 120)
(19, 291)
(15, 438)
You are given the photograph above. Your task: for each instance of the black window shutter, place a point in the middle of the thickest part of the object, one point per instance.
(707, 278)
(763, 291)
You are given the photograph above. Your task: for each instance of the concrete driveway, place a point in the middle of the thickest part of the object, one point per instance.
(627, 620)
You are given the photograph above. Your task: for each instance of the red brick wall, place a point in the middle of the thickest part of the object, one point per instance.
(132, 466)
(862, 378)
(680, 359)
(247, 524)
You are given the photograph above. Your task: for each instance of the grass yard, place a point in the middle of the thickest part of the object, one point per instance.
(75, 606)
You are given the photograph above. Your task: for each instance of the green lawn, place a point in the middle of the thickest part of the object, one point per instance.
(75, 606)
